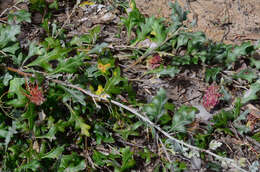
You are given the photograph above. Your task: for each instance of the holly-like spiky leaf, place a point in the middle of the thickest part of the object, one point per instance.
(16, 89)
(246, 74)
(184, 116)
(155, 110)
(251, 94)
(43, 61)
(8, 34)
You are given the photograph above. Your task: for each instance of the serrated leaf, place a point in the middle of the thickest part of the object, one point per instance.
(184, 116)
(256, 63)
(88, 38)
(55, 153)
(214, 144)
(32, 165)
(19, 16)
(76, 95)
(211, 73)
(226, 96)
(51, 134)
(98, 49)
(178, 15)
(3, 133)
(162, 71)
(11, 49)
(80, 167)
(251, 93)
(79, 122)
(145, 29)
(7, 78)
(111, 84)
(35, 49)
(8, 34)
(44, 60)
(127, 159)
(239, 50)
(155, 110)
(246, 74)
(15, 88)
(182, 40)
(134, 18)
(70, 65)
(10, 133)
(94, 33)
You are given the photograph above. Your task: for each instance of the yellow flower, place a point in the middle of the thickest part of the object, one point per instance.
(103, 68)
(100, 90)
(86, 3)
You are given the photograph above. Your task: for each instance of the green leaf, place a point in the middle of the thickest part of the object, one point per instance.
(79, 41)
(134, 18)
(182, 40)
(70, 65)
(127, 159)
(7, 78)
(94, 33)
(69, 161)
(51, 133)
(19, 16)
(32, 165)
(255, 63)
(10, 134)
(239, 50)
(80, 167)
(251, 93)
(256, 136)
(162, 71)
(98, 49)
(79, 122)
(145, 29)
(184, 116)
(222, 118)
(76, 95)
(103, 135)
(90, 38)
(54, 5)
(111, 84)
(8, 34)
(11, 49)
(211, 73)
(226, 96)
(128, 130)
(178, 15)
(16, 89)
(3, 133)
(55, 153)
(35, 49)
(98, 158)
(246, 74)
(155, 110)
(44, 60)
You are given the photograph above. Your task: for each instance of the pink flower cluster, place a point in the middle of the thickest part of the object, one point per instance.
(211, 97)
(155, 61)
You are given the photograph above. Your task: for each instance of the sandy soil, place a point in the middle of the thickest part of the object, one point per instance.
(230, 21)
